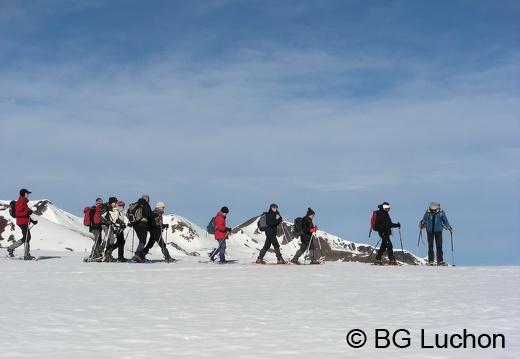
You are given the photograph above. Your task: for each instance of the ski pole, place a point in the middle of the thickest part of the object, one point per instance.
(452, 257)
(216, 250)
(418, 241)
(401, 239)
(373, 249)
(322, 258)
(133, 237)
(308, 248)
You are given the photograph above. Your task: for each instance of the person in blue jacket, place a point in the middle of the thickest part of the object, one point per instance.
(435, 221)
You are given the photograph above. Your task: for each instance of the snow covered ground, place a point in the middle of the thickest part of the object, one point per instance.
(61, 307)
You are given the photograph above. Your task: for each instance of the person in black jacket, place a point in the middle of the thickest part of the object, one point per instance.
(384, 227)
(270, 233)
(308, 228)
(156, 228)
(142, 227)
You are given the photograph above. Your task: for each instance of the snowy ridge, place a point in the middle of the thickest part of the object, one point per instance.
(58, 230)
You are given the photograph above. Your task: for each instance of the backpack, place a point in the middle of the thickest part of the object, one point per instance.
(134, 213)
(211, 226)
(86, 215)
(262, 222)
(12, 209)
(297, 231)
(97, 212)
(373, 222)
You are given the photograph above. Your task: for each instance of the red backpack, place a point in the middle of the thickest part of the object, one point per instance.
(86, 215)
(97, 213)
(373, 222)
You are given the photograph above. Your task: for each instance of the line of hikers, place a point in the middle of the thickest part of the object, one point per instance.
(109, 219)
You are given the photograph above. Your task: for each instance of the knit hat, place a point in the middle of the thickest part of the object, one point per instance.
(112, 200)
(160, 204)
(310, 212)
(434, 206)
(99, 200)
(23, 191)
(121, 203)
(386, 205)
(273, 205)
(224, 210)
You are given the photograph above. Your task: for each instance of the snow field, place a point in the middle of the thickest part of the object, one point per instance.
(60, 307)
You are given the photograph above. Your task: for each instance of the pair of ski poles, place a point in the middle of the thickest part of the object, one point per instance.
(420, 239)
(380, 239)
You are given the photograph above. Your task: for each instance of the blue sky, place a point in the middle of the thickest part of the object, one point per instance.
(337, 105)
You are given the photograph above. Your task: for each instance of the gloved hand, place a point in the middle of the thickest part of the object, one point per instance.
(33, 221)
(422, 225)
(165, 226)
(228, 229)
(451, 230)
(129, 225)
(398, 225)
(313, 229)
(30, 212)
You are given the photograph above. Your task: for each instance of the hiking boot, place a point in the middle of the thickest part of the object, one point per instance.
(281, 261)
(260, 261)
(442, 264)
(137, 258)
(295, 261)
(10, 252)
(431, 263)
(28, 257)
(314, 261)
(378, 262)
(222, 261)
(122, 259)
(170, 260)
(393, 262)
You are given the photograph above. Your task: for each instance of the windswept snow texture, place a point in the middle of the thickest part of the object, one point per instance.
(61, 307)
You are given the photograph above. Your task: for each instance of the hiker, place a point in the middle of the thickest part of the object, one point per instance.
(384, 227)
(221, 235)
(113, 226)
(156, 227)
(141, 228)
(435, 220)
(270, 233)
(96, 255)
(308, 229)
(120, 233)
(23, 217)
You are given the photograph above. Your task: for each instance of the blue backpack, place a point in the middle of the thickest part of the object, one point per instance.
(211, 226)
(262, 222)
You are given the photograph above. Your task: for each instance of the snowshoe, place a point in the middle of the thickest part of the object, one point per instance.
(295, 261)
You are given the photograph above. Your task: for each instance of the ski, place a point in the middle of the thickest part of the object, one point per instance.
(272, 264)
(228, 261)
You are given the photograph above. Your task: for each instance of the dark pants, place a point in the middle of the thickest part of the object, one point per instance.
(437, 237)
(142, 233)
(26, 237)
(221, 250)
(303, 247)
(120, 244)
(386, 244)
(156, 236)
(270, 240)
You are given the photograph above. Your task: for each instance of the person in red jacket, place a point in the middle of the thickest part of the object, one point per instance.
(23, 217)
(221, 235)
